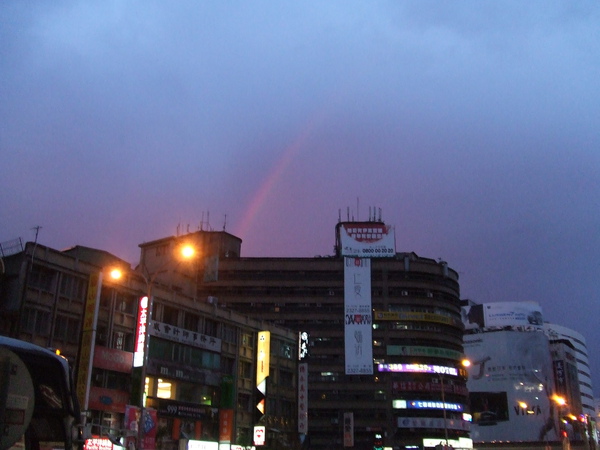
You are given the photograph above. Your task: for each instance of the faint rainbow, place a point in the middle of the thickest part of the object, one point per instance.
(259, 199)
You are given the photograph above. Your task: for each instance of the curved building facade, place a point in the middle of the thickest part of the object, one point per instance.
(414, 395)
(558, 332)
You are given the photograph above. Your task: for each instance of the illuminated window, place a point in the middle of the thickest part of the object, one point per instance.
(164, 389)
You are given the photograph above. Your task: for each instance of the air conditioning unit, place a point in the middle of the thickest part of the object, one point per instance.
(404, 293)
(212, 300)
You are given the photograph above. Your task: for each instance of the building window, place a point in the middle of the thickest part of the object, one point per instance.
(164, 388)
(126, 303)
(244, 402)
(42, 278)
(245, 370)
(36, 321)
(170, 315)
(66, 330)
(210, 328)
(286, 378)
(190, 321)
(228, 334)
(72, 287)
(247, 340)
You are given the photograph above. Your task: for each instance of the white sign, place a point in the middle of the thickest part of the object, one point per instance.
(367, 240)
(202, 445)
(526, 315)
(358, 316)
(172, 333)
(259, 435)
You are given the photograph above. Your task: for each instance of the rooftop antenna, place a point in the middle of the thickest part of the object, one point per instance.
(380, 214)
(347, 213)
(225, 223)
(357, 210)
(202, 222)
(37, 229)
(339, 215)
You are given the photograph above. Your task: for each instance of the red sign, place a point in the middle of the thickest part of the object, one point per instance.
(98, 444)
(140, 333)
(108, 399)
(225, 425)
(112, 359)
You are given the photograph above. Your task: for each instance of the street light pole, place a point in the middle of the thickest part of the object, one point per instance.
(144, 362)
(145, 320)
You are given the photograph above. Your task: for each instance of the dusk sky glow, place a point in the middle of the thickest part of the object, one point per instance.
(474, 126)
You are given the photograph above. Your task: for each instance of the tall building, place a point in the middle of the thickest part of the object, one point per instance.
(581, 361)
(383, 371)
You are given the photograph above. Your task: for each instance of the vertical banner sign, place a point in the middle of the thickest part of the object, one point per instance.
(358, 316)
(226, 410)
(140, 333)
(263, 356)
(302, 398)
(348, 429)
(88, 339)
(225, 426)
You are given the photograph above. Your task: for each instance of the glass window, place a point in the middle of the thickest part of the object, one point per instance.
(42, 278)
(245, 370)
(170, 315)
(191, 321)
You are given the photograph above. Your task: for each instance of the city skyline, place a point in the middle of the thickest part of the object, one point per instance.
(474, 127)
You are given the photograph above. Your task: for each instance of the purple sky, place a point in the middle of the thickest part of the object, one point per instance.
(474, 126)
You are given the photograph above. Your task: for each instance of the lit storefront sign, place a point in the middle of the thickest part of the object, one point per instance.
(455, 443)
(302, 345)
(432, 422)
(418, 368)
(426, 404)
(97, 444)
(140, 333)
(259, 435)
(263, 358)
(202, 445)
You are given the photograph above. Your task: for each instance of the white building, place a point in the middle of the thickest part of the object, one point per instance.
(558, 332)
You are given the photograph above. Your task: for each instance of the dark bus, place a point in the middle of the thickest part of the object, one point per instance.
(38, 405)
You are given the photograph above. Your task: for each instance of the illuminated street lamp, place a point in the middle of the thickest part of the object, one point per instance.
(465, 363)
(140, 358)
(88, 337)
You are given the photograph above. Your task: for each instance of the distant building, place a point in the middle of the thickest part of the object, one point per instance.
(579, 358)
(518, 374)
(383, 372)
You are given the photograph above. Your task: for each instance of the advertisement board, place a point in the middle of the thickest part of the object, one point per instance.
(367, 240)
(510, 385)
(526, 315)
(358, 316)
